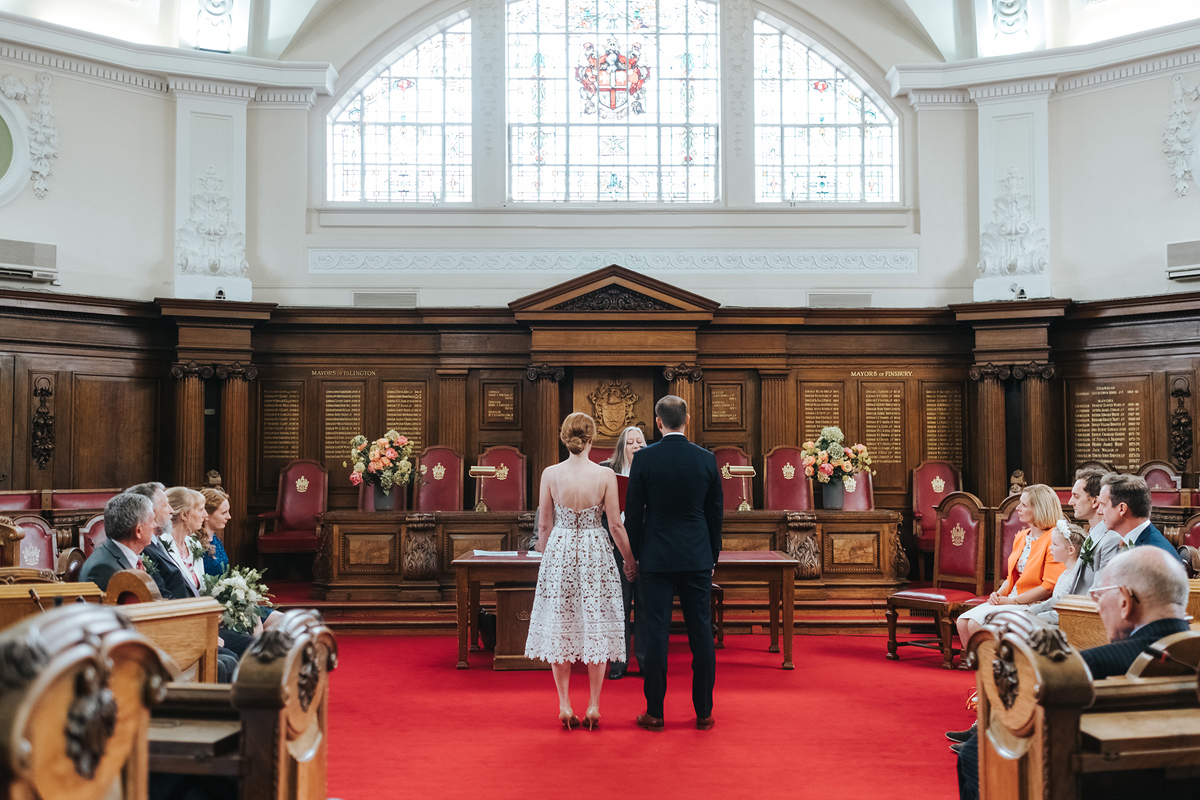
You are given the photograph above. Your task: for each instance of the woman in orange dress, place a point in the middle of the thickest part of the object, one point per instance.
(1032, 569)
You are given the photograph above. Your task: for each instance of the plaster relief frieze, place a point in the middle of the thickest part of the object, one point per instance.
(43, 136)
(1179, 136)
(896, 261)
(211, 243)
(739, 49)
(1012, 243)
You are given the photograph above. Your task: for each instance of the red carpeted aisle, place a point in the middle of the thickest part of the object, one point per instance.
(845, 724)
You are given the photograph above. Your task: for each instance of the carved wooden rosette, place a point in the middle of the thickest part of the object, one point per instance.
(545, 379)
(42, 425)
(526, 530)
(1181, 424)
(189, 420)
(802, 544)
(420, 548)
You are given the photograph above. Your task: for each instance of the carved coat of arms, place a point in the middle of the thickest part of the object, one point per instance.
(612, 404)
(302, 485)
(938, 485)
(957, 535)
(612, 83)
(439, 472)
(789, 472)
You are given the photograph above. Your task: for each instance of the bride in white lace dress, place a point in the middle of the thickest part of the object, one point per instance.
(577, 611)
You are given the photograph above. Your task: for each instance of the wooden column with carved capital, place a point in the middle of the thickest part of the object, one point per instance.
(1041, 458)
(452, 414)
(545, 448)
(236, 455)
(189, 421)
(991, 457)
(682, 379)
(775, 416)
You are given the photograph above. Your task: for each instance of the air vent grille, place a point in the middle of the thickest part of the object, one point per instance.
(1183, 261)
(839, 299)
(385, 299)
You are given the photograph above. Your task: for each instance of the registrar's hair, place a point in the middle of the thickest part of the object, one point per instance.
(577, 430)
(1130, 490)
(1152, 573)
(672, 411)
(1044, 504)
(1092, 479)
(124, 512)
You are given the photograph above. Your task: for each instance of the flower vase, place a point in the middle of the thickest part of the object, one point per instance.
(833, 495)
(371, 498)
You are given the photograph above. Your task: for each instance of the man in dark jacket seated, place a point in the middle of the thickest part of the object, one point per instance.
(1143, 595)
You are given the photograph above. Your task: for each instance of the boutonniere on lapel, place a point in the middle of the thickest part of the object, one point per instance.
(195, 547)
(149, 565)
(1088, 553)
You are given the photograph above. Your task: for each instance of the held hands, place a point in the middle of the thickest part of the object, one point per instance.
(630, 569)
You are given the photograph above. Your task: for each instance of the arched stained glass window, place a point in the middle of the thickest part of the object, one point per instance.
(821, 135)
(613, 101)
(405, 136)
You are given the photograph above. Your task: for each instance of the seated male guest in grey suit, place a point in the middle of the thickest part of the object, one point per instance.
(1125, 506)
(673, 514)
(129, 527)
(171, 580)
(1142, 595)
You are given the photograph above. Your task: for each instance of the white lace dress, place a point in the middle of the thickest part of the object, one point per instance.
(577, 612)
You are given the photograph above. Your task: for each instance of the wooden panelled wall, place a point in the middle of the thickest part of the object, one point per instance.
(126, 383)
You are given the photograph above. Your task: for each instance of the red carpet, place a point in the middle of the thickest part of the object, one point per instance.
(845, 724)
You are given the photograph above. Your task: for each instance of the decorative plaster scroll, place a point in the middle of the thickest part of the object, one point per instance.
(1010, 17)
(43, 136)
(321, 260)
(211, 243)
(1012, 244)
(1179, 137)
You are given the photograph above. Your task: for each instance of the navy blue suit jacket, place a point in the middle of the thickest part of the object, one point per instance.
(674, 507)
(168, 575)
(1153, 537)
(1116, 658)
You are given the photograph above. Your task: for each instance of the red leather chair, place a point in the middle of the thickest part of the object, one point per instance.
(1164, 482)
(439, 484)
(91, 534)
(37, 550)
(506, 491)
(1189, 532)
(734, 488)
(932, 481)
(303, 494)
(76, 499)
(20, 501)
(958, 558)
(785, 486)
(1063, 494)
(1004, 529)
(863, 496)
(600, 454)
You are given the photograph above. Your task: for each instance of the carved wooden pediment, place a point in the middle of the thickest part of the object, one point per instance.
(613, 292)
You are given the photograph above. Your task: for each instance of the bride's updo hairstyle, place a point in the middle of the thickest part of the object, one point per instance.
(577, 430)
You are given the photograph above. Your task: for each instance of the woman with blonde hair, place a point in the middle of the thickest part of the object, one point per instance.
(1032, 569)
(577, 613)
(183, 539)
(629, 442)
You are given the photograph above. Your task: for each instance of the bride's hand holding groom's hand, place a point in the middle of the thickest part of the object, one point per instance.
(630, 570)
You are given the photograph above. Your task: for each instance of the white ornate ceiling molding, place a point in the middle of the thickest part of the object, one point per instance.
(302, 99)
(1125, 73)
(227, 91)
(939, 100)
(41, 135)
(999, 91)
(147, 68)
(1179, 136)
(348, 261)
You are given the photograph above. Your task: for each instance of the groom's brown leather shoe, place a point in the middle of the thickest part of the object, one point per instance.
(650, 723)
(704, 723)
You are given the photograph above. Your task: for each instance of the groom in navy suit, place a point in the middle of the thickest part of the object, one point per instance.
(1124, 505)
(673, 514)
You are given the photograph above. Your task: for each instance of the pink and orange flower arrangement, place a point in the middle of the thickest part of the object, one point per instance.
(384, 461)
(827, 459)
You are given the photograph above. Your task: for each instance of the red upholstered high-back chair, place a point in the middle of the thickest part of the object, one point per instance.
(37, 550)
(1189, 532)
(1063, 494)
(600, 454)
(303, 494)
(733, 488)
(76, 499)
(863, 496)
(1164, 482)
(506, 491)
(92, 535)
(785, 486)
(439, 483)
(958, 558)
(1005, 527)
(932, 481)
(20, 501)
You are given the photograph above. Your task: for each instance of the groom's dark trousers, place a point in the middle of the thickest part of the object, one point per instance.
(673, 513)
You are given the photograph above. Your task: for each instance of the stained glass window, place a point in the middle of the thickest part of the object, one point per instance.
(613, 101)
(405, 137)
(820, 135)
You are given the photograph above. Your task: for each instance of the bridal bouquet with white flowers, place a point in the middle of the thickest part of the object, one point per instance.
(240, 591)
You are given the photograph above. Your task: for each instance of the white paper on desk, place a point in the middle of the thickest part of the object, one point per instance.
(510, 553)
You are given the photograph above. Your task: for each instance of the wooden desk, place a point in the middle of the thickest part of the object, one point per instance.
(774, 569)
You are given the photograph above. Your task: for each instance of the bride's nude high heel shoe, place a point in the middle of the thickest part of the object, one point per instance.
(592, 718)
(568, 719)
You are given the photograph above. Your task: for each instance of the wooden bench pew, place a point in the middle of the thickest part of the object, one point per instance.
(269, 729)
(1079, 617)
(74, 705)
(186, 630)
(1048, 731)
